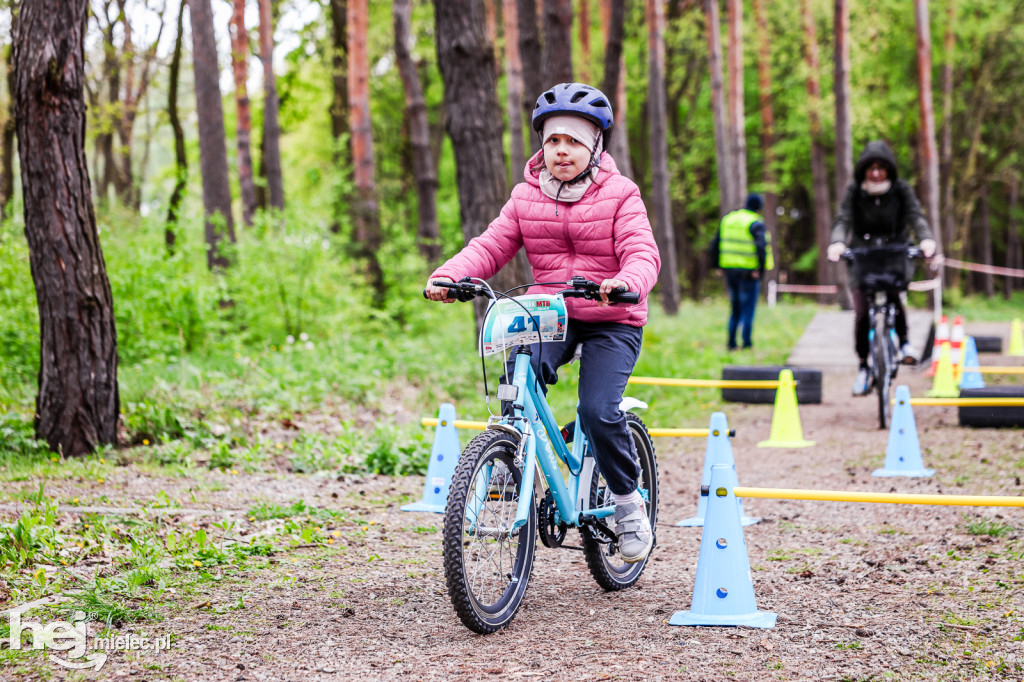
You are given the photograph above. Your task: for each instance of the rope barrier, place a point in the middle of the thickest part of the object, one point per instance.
(890, 498)
(979, 267)
(655, 433)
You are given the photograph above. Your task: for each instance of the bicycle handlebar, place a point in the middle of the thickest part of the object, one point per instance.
(912, 252)
(580, 287)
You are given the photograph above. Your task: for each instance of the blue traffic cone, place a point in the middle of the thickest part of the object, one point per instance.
(723, 593)
(719, 451)
(970, 377)
(444, 455)
(903, 456)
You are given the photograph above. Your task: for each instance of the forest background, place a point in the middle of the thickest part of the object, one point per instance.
(355, 160)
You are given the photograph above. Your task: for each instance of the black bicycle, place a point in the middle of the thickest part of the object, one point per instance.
(882, 286)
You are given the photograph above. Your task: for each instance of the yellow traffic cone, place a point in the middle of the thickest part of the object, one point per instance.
(1016, 339)
(786, 429)
(944, 385)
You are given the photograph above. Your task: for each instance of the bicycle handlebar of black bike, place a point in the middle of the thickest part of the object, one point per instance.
(912, 252)
(580, 288)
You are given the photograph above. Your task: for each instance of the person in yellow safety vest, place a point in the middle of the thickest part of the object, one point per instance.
(741, 249)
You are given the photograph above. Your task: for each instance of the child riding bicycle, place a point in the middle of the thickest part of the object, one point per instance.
(575, 214)
(879, 208)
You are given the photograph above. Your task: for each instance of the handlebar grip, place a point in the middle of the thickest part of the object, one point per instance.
(624, 297)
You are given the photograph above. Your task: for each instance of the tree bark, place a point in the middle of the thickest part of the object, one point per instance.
(342, 144)
(668, 278)
(474, 123)
(988, 285)
(724, 160)
(529, 52)
(819, 173)
(271, 127)
(213, 158)
(764, 82)
(78, 403)
(584, 33)
(556, 53)
(366, 215)
(180, 157)
(844, 128)
(243, 129)
(929, 155)
(736, 120)
(518, 133)
(614, 81)
(423, 168)
(947, 224)
(1014, 254)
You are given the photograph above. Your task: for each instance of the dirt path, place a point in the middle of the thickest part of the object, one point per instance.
(862, 591)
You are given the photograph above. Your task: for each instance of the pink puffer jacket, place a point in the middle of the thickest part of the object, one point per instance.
(606, 234)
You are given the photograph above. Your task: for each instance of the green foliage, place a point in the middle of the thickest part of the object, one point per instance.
(990, 527)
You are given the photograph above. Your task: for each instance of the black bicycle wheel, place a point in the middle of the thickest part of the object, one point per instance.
(487, 565)
(882, 360)
(603, 559)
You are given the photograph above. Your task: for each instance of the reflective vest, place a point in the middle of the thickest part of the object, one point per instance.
(736, 248)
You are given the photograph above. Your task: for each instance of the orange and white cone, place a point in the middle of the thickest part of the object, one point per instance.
(941, 336)
(956, 343)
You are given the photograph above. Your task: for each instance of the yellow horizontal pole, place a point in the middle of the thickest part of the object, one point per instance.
(969, 402)
(704, 383)
(891, 498)
(994, 370)
(480, 426)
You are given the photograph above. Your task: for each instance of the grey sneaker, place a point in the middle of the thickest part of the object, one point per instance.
(634, 531)
(862, 384)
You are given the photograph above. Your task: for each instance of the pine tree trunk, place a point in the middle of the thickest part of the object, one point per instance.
(7, 138)
(556, 53)
(724, 157)
(243, 132)
(213, 157)
(474, 123)
(947, 223)
(529, 52)
(614, 20)
(764, 83)
(1014, 253)
(985, 240)
(584, 33)
(366, 213)
(929, 155)
(819, 172)
(78, 404)
(518, 132)
(342, 145)
(419, 133)
(180, 157)
(271, 127)
(844, 129)
(736, 120)
(668, 278)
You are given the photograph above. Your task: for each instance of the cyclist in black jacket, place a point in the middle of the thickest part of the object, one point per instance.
(879, 208)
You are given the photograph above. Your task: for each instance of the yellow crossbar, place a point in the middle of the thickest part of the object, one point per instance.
(705, 383)
(994, 370)
(969, 402)
(480, 426)
(891, 498)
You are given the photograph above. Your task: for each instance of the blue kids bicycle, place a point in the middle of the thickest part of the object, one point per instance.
(493, 516)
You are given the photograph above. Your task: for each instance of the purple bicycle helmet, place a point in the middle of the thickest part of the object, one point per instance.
(574, 98)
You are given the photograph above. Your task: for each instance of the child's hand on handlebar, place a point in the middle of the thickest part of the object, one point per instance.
(928, 247)
(436, 293)
(835, 251)
(608, 286)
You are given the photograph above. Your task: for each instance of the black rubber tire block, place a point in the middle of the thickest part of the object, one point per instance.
(992, 417)
(988, 344)
(808, 384)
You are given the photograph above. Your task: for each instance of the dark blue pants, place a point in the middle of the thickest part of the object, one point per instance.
(743, 291)
(610, 350)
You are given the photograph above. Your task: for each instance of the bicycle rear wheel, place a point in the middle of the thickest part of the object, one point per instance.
(487, 565)
(603, 558)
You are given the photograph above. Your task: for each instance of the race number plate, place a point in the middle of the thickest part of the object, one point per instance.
(526, 319)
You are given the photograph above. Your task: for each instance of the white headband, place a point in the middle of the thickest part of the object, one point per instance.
(574, 126)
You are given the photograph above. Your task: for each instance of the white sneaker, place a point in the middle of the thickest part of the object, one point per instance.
(909, 356)
(862, 384)
(633, 529)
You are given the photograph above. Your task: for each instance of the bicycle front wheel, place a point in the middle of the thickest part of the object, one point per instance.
(883, 359)
(487, 564)
(603, 558)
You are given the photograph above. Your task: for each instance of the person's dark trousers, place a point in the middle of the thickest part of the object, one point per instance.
(610, 351)
(862, 324)
(743, 292)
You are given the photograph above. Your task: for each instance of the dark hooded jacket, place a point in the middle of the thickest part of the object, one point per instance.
(890, 218)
